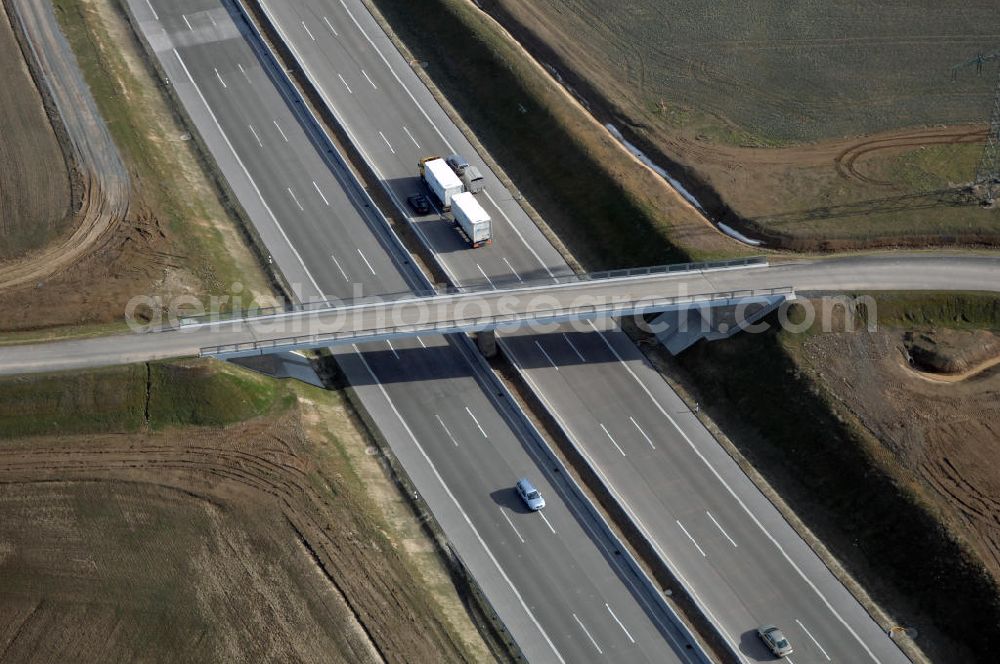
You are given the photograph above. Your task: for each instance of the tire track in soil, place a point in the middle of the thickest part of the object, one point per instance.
(846, 161)
(208, 471)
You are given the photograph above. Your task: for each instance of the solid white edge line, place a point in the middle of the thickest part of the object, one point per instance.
(606, 481)
(249, 177)
(454, 501)
(739, 500)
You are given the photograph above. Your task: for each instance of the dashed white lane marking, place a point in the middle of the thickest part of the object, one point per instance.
(308, 31)
(601, 652)
(184, 16)
(365, 74)
(739, 501)
(219, 76)
(458, 505)
(366, 261)
(411, 137)
(478, 425)
(700, 550)
(212, 19)
(722, 530)
(422, 344)
(648, 440)
(320, 192)
(150, 5)
(573, 346)
(451, 437)
(547, 523)
(547, 356)
(620, 624)
(244, 72)
(512, 525)
(296, 199)
(337, 263)
(246, 172)
(392, 349)
(486, 276)
(809, 634)
(612, 439)
(330, 25)
(349, 91)
(387, 142)
(280, 130)
(513, 270)
(256, 135)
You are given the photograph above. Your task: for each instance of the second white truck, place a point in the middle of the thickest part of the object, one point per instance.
(472, 219)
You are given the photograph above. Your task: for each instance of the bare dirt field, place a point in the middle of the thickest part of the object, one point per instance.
(178, 235)
(834, 123)
(881, 443)
(155, 535)
(35, 194)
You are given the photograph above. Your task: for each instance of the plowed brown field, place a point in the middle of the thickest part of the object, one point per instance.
(246, 543)
(35, 197)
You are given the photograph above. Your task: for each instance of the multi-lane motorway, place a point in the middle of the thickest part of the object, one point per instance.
(553, 577)
(742, 561)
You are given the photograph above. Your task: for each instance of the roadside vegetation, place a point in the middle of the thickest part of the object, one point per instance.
(196, 511)
(181, 236)
(607, 209)
(879, 464)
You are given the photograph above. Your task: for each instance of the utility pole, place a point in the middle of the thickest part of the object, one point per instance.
(988, 173)
(987, 182)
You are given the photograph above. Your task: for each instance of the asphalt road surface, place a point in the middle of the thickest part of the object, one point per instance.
(393, 120)
(773, 579)
(553, 577)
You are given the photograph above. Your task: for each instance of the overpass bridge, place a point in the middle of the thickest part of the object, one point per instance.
(594, 296)
(366, 319)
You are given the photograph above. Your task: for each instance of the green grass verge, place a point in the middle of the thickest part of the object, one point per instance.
(818, 461)
(134, 115)
(499, 93)
(115, 399)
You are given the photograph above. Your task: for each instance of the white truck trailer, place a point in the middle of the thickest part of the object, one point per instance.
(472, 219)
(441, 180)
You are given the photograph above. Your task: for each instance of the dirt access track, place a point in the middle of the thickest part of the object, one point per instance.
(106, 185)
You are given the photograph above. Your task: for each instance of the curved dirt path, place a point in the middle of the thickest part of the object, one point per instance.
(955, 377)
(106, 183)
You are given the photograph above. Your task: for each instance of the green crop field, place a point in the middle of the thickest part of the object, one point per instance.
(781, 72)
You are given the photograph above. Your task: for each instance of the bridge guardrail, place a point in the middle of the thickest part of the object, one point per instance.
(327, 305)
(505, 321)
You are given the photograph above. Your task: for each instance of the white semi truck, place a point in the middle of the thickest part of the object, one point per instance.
(441, 180)
(472, 219)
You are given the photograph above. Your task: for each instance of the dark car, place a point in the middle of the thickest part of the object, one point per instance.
(420, 203)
